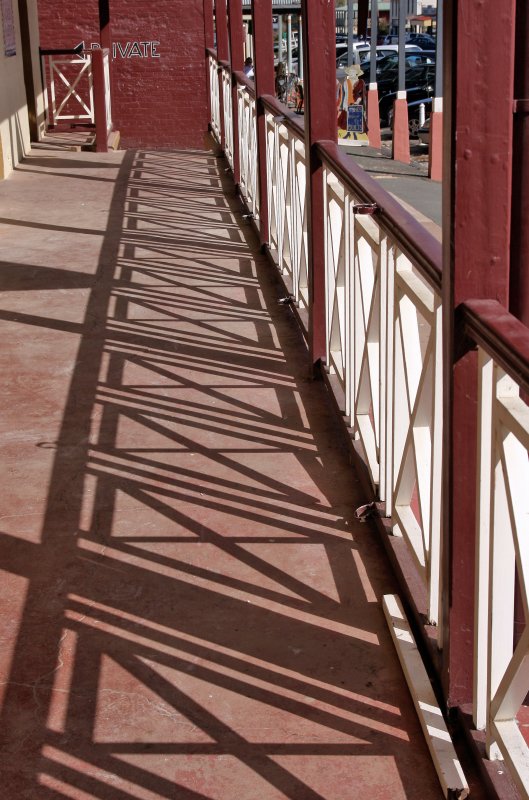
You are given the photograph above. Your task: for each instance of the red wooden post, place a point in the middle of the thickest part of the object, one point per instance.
(401, 133)
(319, 35)
(209, 24)
(209, 43)
(478, 142)
(236, 35)
(223, 54)
(519, 283)
(100, 102)
(263, 57)
(520, 212)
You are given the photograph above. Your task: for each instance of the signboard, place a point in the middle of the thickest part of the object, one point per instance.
(8, 25)
(132, 49)
(355, 119)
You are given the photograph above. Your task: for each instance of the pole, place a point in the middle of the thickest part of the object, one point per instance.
(223, 54)
(401, 134)
(289, 43)
(209, 41)
(300, 47)
(402, 47)
(350, 32)
(263, 48)
(319, 28)
(236, 39)
(373, 110)
(435, 167)
(279, 37)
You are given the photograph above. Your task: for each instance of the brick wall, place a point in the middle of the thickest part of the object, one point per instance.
(158, 91)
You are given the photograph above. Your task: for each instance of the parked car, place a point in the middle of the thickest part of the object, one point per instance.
(419, 88)
(362, 52)
(391, 62)
(422, 40)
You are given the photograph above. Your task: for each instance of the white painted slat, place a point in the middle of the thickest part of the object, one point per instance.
(484, 481)
(516, 754)
(514, 686)
(514, 415)
(437, 737)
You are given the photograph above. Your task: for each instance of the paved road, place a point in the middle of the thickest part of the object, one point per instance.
(408, 182)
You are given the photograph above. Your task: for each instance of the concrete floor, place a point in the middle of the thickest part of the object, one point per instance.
(188, 608)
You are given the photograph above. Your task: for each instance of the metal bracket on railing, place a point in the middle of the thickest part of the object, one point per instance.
(248, 216)
(365, 208)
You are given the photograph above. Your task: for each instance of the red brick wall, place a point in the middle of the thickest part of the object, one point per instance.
(156, 102)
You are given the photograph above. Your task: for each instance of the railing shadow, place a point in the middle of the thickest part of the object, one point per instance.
(201, 592)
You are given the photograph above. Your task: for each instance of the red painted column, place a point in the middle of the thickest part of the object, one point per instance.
(477, 208)
(519, 276)
(373, 117)
(401, 131)
(319, 36)
(100, 106)
(223, 54)
(236, 35)
(263, 59)
(209, 43)
(435, 161)
(520, 213)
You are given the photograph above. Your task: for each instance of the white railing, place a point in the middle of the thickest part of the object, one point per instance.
(384, 356)
(287, 206)
(384, 347)
(228, 115)
(215, 97)
(501, 665)
(70, 88)
(108, 102)
(248, 149)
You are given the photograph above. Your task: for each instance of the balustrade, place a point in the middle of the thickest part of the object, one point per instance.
(287, 200)
(228, 112)
(384, 360)
(248, 148)
(501, 662)
(215, 97)
(383, 332)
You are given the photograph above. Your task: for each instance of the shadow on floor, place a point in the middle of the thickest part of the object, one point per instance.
(200, 618)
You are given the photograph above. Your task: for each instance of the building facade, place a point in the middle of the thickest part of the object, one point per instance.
(157, 70)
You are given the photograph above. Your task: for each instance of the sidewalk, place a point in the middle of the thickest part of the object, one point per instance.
(409, 183)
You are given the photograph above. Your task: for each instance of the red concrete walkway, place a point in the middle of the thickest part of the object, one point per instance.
(189, 609)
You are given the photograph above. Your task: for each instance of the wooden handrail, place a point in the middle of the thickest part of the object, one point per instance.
(418, 243)
(290, 120)
(488, 324)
